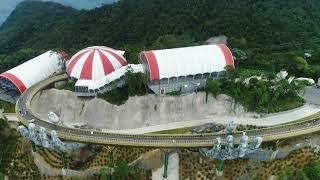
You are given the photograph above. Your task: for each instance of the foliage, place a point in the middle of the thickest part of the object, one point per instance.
(67, 86)
(246, 73)
(312, 170)
(132, 53)
(120, 170)
(265, 30)
(263, 34)
(172, 41)
(213, 87)
(8, 107)
(2, 176)
(263, 95)
(8, 140)
(292, 173)
(240, 56)
(174, 93)
(116, 96)
(104, 174)
(136, 83)
(135, 86)
(14, 59)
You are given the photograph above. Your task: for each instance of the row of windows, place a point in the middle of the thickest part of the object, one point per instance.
(193, 77)
(106, 86)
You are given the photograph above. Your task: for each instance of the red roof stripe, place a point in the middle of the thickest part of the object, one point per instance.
(86, 72)
(107, 66)
(227, 54)
(74, 61)
(16, 81)
(153, 65)
(117, 56)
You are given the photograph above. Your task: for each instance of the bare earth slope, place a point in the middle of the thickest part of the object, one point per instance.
(137, 112)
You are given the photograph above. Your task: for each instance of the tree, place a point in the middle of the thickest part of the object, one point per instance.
(172, 41)
(136, 83)
(104, 174)
(213, 87)
(120, 171)
(132, 53)
(292, 173)
(312, 170)
(240, 55)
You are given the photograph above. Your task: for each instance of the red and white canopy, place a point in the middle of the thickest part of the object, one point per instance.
(34, 70)
(167, 63)
(93, 63)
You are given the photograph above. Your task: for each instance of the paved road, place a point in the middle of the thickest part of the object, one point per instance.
(312, 95)
(11, 117)
(25, 114)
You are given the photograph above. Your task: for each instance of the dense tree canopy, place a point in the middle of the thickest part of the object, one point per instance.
(259, 28)
(265, 35)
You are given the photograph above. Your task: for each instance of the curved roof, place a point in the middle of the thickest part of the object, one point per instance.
(96, 84)
(186, 61)
(95, 62)
(34, 70)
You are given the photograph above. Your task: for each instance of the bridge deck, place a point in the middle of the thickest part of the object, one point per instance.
(25, 113)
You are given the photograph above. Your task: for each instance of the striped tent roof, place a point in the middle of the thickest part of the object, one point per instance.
(93, 63)
(168, 63)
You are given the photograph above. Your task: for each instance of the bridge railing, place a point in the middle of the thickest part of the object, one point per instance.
(87, 135)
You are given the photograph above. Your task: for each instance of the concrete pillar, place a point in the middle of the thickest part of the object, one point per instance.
(173, 169)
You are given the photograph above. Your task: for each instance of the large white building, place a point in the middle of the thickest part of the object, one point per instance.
(185, 69)
(18, 79)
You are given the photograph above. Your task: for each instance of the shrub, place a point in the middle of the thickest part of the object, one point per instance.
(312, 170)
(213, 87)
(120, 170)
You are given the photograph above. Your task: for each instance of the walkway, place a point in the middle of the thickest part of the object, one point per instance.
(305, 126)
(11, 117)
(269, 120)
(312, 95)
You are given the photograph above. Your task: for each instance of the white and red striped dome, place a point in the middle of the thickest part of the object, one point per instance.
(95, 62)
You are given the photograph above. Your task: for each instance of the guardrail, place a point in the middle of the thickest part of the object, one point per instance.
(297, 128)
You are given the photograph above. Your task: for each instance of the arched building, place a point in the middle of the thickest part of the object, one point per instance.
(185, 69)
(98, 69)
(18, 79)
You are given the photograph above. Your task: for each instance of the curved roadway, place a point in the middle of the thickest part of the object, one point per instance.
(25, 114)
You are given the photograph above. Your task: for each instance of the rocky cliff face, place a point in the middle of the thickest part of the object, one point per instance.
(137, 112)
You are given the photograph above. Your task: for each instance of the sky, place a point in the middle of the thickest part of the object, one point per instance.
(6, 6)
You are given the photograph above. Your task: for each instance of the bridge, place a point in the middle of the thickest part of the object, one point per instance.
(25, 114)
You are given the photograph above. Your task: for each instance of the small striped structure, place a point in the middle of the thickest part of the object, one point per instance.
(94, 63)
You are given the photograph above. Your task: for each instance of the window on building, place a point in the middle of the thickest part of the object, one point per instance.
(173, 80)
(214, 74)
(190, 77)
(198, 76)
(206, 75)
(164, 81)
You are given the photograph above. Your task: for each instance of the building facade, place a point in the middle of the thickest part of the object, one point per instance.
(185, 69)
(16, 80)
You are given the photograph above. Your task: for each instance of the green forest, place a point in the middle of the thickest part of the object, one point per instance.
(266, 31)
(264, 35)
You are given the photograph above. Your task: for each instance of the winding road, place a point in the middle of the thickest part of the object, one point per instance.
(25, 114)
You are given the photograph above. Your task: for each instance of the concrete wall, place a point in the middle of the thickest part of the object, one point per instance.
(137, 112)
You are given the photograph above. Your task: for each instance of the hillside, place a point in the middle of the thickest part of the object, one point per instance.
(263, 29)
